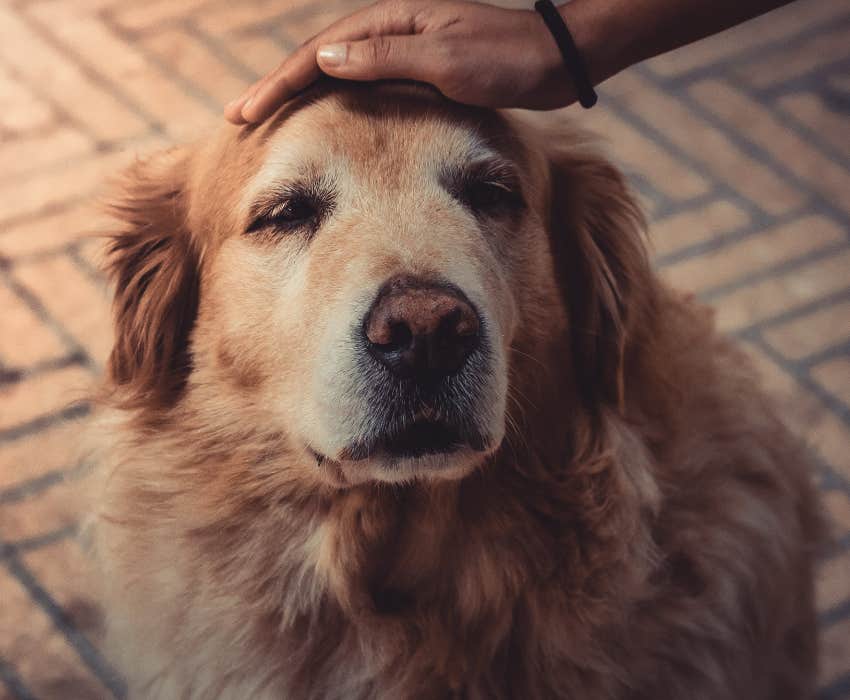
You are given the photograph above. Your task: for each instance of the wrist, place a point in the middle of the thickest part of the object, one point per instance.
(551, 84)
(596, 37)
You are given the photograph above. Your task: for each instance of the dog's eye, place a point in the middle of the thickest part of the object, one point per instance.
(485, 196)
(294, 213)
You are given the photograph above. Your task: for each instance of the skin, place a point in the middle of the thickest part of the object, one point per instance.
(488, 56)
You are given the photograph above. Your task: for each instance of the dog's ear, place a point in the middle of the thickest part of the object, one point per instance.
(597, 234)
(153, 264)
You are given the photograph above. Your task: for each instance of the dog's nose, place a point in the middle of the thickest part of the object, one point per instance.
(420, 329)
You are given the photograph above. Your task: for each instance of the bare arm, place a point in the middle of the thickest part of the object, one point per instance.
(624, 32)
(488, 56)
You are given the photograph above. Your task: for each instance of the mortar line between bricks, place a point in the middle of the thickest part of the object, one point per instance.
(90, 656)
(15, 375)
(749, 148)
(100, 149)
(142, 33)
(21, 430)
(782, 269)
(837, 407)
(832, 352)
(61, 163)
(674, 207)
(110, 12)
(274, 34)
(831, 478)
(91, 74)
(31, 487)
(70, 249)
(42, 255)
(83, 265)
(837, 690)
(788, 315)
(741, 233)
(840, 546)
(808, 134)
(660, 202)
(722, 66)
(25, 133)
(29, 544)
(37, 307)
(49, 210)
(274, 22)
(805, 82)
(36, 485)
(162, 67)
(13, 682)
(836, 614)
(219, 50)
(641, 185)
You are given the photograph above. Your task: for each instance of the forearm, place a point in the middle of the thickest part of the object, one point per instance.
(615, 34)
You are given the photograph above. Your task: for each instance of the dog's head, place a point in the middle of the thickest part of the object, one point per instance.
(379, 276)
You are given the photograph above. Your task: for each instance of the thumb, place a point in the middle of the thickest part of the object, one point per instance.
(377, 58)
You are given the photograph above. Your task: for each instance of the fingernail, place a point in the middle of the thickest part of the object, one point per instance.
(333, 54)
(233, 104)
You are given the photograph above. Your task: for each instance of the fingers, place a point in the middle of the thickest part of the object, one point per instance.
(292, 75)
(378, 58)
(301, 68)
(233, 110)
(299, 71)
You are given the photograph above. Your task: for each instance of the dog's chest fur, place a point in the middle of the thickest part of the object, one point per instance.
(395, 592)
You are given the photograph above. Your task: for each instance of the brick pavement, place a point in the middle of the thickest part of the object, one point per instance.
(739, 147)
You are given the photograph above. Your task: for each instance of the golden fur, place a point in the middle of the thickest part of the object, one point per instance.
(645, 530)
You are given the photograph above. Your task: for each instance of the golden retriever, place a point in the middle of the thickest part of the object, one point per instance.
(398, 408)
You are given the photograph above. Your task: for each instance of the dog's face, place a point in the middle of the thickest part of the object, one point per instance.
(362, 275)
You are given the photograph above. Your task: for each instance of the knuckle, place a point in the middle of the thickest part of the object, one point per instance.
(380, 50)
(396, 10)
(447, 58)
(394, 5)
(388, 7)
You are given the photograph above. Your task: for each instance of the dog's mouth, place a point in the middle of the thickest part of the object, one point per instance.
(422, 437)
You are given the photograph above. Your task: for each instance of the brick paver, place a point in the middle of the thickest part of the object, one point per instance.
(739, 146)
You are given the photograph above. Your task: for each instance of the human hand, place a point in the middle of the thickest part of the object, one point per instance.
(473, 53)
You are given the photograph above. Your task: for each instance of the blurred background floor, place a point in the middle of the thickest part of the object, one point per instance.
(739, 147)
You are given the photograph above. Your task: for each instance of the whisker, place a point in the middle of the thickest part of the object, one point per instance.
(530, 357)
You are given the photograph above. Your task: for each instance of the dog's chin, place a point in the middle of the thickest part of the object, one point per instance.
(433, 466)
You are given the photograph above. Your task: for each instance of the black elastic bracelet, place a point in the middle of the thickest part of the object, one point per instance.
(587, 96)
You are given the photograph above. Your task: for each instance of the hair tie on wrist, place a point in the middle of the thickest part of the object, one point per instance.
(587, 96)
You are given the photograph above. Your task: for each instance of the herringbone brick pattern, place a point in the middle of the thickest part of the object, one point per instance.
(739, 147)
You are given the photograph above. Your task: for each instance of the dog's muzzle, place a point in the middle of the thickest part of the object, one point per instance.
(424, 355)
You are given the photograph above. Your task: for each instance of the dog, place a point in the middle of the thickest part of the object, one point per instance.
(398, 408)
